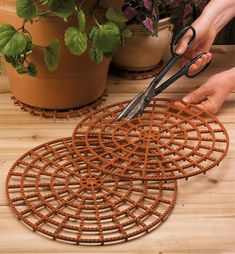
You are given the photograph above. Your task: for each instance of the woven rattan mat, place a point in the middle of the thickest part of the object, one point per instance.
(57, 195)
(165, 142)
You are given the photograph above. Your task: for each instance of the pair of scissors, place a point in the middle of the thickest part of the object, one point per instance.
(137, 105)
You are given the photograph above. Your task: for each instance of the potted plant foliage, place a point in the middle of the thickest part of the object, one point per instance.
(149, 21)
(57, 52)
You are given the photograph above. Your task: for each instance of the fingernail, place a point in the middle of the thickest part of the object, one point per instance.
(178, 50)
(186, 99)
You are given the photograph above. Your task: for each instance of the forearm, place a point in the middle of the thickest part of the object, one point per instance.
(217, 14)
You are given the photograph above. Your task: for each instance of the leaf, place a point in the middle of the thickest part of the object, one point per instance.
(31, 69)
(52, 55)
(11, 60)
(62, 8)
(126, 33)
(93, 32)
(21, 69)
(26, 9)
(29, 45)
(115, 15)
(81, 21)
(11, 41)
(76, 41)
(96, 55)
(107, 38)
(149, 26)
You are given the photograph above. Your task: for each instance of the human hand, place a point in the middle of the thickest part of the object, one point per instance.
(214, 17)
(212, 94)
(205, 36)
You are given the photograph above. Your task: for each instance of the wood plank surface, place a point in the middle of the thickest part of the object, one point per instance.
(203, 220)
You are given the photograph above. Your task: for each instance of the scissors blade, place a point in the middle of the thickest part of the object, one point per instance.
(134, 108)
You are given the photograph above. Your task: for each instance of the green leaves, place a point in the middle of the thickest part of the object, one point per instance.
(75, 37)
(52, 55)
(96, 55)
(76, 41)
(81, 21)
(16, 62)
(126, 33)
(115, 15)
(107, 37)
(12, 42)
(26, 9)
(62, 8)
(31, 69)
(17, 45)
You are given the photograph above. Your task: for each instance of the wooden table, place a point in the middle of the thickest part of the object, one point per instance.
(203, 220)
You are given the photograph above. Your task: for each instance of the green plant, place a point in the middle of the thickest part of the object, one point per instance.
(105, 35)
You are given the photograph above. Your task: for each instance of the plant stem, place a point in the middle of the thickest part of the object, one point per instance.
(81, 4)
(44, 13)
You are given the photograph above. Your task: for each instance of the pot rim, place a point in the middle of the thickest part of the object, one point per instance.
(162, 24)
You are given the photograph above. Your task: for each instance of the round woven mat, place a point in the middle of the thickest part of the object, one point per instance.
(57, 195)
(166, 142)
(136, 75)
(65, 113)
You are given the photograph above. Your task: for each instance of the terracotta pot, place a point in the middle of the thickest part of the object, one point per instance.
(77, 82)
(143, 51)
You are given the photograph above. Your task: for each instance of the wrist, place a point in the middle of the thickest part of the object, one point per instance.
(227, 80)
(231, 76)
(217, 14)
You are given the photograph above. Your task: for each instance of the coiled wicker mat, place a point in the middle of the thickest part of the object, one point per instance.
(113, 182)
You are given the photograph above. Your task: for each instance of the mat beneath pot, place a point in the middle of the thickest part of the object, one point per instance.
(57, 195)
(66, 113)
(136, 75)
(166, 142)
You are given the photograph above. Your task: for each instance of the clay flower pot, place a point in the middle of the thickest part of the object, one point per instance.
(143, 51)
(77, 82)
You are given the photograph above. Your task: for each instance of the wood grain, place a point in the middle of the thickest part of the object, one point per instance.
(203, 220)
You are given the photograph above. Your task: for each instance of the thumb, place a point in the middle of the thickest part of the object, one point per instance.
(196, 96)
(182, 45)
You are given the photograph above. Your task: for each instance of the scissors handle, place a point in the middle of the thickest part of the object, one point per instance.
(179, 36)
(180, 73)
(187, 74)
(150, 90)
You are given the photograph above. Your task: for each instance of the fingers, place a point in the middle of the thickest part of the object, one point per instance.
(200, 63)
(196, 96)
(208, 105)
(181, 106)
(183, 43)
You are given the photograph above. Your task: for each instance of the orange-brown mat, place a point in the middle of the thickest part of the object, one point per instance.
(66, 113)
(136, 75)
(56, 194)
(166, 142)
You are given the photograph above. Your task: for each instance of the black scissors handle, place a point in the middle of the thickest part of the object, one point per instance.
(150, 90)
(179, 36)
(180, 73)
